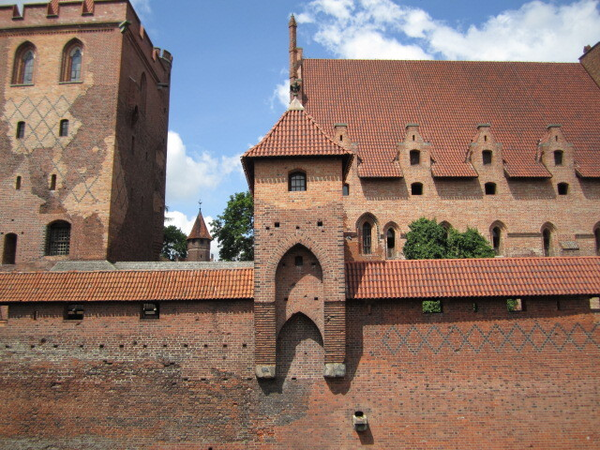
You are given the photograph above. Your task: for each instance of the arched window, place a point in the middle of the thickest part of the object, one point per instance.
(497, 239)
(416, 189)
(415, 157)
(366, 238)
(297, 181)
(490, 188)
(547, 240)
(10, 249)
(24, 64)
(563, 188)
(558, 157)
(58, 238)
(390, 242)
(486, 156)
(72, 60)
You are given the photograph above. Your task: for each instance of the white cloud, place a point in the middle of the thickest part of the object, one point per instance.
(281, 95)
(384, 29)
(189, 174)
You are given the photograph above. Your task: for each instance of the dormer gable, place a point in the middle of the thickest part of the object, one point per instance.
(413, 152)
(554, 151)
(484, 152)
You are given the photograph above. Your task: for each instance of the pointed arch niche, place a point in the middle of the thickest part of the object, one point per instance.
(299, 287)
(300, 352)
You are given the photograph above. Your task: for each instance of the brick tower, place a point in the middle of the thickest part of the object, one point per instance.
(296, 174)
(198, 242)
(83, 126)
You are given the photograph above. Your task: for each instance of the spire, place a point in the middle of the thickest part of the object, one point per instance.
(199, 230)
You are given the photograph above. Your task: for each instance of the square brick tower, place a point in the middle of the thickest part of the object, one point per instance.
(83, 128)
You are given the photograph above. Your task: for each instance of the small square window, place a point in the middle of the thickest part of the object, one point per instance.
(432, 306)
(416, 189)
(490, 188)
(74, 312)
(150, 311)
(563, 188)
(514, 305)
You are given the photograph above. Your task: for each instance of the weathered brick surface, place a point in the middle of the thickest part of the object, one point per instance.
(457, 380)
(112, 198)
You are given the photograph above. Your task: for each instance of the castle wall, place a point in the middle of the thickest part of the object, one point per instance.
(461, 379)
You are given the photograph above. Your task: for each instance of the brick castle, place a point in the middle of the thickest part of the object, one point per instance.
(324, 340)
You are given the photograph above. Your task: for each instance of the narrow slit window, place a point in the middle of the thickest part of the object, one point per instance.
(64, 128)
(20, 130)
(366, 238)
(52, 182)
(496, 239)
(390, 242)
(346, 190)
(18, 183)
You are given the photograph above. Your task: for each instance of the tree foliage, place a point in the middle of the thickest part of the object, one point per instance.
(235, 228)
(429, 240)
(174, 243)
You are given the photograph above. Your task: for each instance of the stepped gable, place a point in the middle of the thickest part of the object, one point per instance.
(448, 99)
(296, 134)
(199, 230)
(492, 277)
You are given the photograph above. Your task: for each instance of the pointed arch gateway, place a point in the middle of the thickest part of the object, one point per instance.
(300, 352)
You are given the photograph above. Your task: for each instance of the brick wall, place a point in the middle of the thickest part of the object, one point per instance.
(462, 379)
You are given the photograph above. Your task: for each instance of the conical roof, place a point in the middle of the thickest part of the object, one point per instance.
(199, 231)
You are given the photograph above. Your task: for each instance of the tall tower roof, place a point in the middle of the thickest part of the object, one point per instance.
(199, 231)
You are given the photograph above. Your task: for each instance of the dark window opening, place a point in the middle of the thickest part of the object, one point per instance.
(276, 224)
(52, 182)
(58, 238)
(18, 183)
(320, 223)
(416, 189)
(563, 188)
(486, 156)
(484, 138)
(490, 188)
(10, 249)
(496, 239)
(74, 312)
(413, 136)
(514, 305)
(346, 190)
(366, 238)
(297, 181)
(597, 236)
(558, 157)
(150, 311)
(64, 128)
(547, 242)
(20, 130)
(299, 261)
(415, 157)
(390, 242)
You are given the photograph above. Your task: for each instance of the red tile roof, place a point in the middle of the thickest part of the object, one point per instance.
(448, 99)
(199, 230)
(493, 277)
(127, 285)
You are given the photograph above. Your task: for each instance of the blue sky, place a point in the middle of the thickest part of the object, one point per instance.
(231, 60)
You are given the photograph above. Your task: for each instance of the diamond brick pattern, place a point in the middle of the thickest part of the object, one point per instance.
(500, 338)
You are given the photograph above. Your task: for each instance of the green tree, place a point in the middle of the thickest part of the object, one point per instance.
(235, 228)
(174, 243)
(426, 240)
(429, 240)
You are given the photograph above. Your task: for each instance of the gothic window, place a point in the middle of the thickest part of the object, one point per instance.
(490, 188)
(563, 188)
(558, 157)
(496, 239)
(64, 128)
(547, 238)
(415, 157)
(487, 157)
(297, 181)
(416, 189)
(10, 249)
(24, 64)
(58, 238)
(72, 59)
(390, 242)
(366, 238)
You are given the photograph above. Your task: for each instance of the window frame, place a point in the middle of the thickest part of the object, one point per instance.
(67, 67)
(23, 67)
(58, 238)
(559, 157)
(297, 181)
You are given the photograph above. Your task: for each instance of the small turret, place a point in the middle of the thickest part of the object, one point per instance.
(198, 242)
